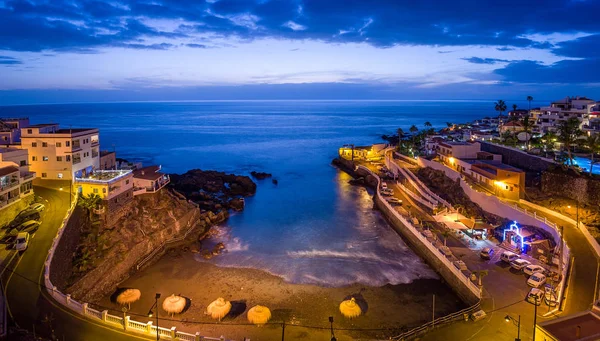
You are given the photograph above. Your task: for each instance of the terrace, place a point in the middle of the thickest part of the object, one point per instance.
(104, 176)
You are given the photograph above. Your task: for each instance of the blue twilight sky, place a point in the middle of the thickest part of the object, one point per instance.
(74, 50)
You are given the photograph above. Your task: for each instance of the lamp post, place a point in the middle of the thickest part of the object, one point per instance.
(331, 324)
(509, 318)
(151, 312)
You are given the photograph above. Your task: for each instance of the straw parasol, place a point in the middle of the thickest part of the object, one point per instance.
(174, 304)
(259, 315)
(219, 308)
(129, 296)
(350, 309)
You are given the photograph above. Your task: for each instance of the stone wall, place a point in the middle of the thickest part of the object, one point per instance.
(572, 186)
(518, 158)
(62, 263)
(8, 213)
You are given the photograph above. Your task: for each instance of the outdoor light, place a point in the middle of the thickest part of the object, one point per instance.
(515, 227)
(507, 318)
(331, 324)
(150, 313)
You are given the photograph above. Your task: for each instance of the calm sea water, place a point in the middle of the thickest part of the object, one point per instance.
(312, 227)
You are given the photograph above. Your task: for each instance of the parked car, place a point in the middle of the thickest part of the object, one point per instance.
(9, 237)
(22, 241)
(387, 192)
(531, 269)
(486, 253)
(508, 256)
(24, 216)
(394, 201)
(29, 226)
(535, 296)
(550, 296)
(519, 264)
(536, 280)
(384, 185)
(38, 207)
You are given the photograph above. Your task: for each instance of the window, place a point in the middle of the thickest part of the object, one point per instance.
(23, 163)
(104, 190)
(60, 175)
(95, 191)
(34, 144)
(44, 158)
(5, 138)
(59, 158)
(58, 144)
(44, 175)
(44, 144)
(126, 182)
(68, 158)
(29, 131)
(68, 143)
(34, 158)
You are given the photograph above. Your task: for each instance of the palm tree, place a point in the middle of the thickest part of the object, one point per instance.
(413, 130)
(500, 106)
(482, 273)
(427, 124)
(569, 132)
(401, 135)
(514, 106)
(449, 124)
(548, 140)
(529, 99)
(89, 203)
(593, 143)
(526, 123)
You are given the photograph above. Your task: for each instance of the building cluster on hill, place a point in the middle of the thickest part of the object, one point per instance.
(70, 157)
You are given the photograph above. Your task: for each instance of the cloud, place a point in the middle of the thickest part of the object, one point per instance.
(6, 60)
(39, 25)
(196, 46)
(477, 60)
(564, 72)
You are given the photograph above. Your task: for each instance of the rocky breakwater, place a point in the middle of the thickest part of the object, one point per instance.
(105, 256)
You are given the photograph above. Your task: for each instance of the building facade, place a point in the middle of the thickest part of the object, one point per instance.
(149, 179)
(16, 181)
(10, 130)
(57, 154)
(108, 160)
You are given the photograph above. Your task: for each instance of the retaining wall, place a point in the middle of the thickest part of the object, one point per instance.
(464, 288)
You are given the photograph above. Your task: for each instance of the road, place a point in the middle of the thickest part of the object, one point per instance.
(29, 305)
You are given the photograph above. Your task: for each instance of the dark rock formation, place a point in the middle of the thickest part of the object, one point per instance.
(260, 175)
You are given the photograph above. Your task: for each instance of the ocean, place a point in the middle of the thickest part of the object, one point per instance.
(312, 227)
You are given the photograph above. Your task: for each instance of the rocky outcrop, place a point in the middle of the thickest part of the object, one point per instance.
(213, 190)
(260, 175)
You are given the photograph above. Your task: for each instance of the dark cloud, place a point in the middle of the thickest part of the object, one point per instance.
(580, 48)
(197, 46)
(38, 25)
(6, 60)
(565, 72)
(477, 60)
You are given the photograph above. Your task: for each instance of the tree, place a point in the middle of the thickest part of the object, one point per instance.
(529, 99)
(500, 106)
(428, 124)
(514, 106)
(526, 123)
(593, 144)
(449, 124)
(549, 139)
(89, 203)
(413, 130)
(401, 142)
(568, 133)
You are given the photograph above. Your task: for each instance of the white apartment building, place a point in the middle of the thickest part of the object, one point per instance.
(15, 177)
(10, 130)
(56, 153)
(549, 117)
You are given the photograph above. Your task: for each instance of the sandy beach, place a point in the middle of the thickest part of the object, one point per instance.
(304, 308)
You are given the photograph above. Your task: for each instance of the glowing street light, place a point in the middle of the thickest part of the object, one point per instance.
(509, 318)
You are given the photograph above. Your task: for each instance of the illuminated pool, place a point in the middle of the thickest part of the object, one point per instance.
(584, 163)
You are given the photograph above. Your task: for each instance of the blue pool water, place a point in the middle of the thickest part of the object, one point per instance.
(585, 164)
(311, 228)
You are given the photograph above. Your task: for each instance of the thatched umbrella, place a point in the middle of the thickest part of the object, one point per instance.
(219, 308)
(259, 315)
(350, 309)
(174, 304)
(129, 296)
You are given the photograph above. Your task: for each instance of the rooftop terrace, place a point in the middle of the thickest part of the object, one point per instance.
(105, 176)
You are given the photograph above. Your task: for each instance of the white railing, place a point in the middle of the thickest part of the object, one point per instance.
(416, 197)
(103, 316)
(432, 248)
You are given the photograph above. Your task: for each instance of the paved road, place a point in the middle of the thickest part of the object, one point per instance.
(29, 305)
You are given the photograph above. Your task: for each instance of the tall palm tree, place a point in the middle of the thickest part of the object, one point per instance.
(89, 203)
(569, 132)
(529, 99)
(413, 130)
(401, 135)
(593, 143)
(427, 124)
(500, 106)
(514, 107)
(526, 123)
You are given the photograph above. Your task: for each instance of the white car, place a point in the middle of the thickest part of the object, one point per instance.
(395, 201)
(37, 207)
(535, 296)
(519, 264)
(531, 269)
(536, 280)
(384, 185)
(22, 241)
(508, 256)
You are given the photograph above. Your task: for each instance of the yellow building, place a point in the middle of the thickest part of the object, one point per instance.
(107, 185)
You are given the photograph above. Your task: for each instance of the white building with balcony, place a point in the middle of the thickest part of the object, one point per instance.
(57, 154)
(550, 117)
(16, 181)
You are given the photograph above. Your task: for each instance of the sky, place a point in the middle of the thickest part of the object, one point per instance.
(71, 51)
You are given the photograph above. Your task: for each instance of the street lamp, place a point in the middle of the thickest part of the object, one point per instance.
(151, 312)
(535, 305)
(331, 324)
(509, 318)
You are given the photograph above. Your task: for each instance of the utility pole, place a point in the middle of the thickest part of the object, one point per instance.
(433, 312)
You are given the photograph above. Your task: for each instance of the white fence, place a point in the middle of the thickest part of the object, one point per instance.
(104, 317)
(432, 248)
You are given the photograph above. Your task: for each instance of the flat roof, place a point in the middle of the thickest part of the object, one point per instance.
(8, 150)
(566, 329)
(104, 176)
(148, 173)
(491, 163)
(74, 130)
(41, 125)
(8, 170)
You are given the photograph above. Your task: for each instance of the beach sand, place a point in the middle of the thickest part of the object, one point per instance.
(390, 307)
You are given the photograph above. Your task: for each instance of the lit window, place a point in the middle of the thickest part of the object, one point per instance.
(60, 175)
(34, 158)
(104, 190)
(95, 190)
(44, 158)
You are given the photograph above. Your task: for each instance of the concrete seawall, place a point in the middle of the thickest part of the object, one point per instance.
(464, 288)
